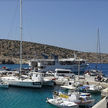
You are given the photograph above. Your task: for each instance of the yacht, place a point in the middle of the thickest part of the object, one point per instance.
(34, 81)
(46, 80)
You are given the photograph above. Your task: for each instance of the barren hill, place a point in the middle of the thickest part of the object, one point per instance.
(9, 52)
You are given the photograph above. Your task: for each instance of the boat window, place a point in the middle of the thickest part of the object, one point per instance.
(51, 63)
(36, 75)
(69, 83)
(82, 62)
(66, 62)
(63, 71)
(42, 67)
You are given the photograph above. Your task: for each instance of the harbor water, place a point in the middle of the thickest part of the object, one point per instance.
(33, 98)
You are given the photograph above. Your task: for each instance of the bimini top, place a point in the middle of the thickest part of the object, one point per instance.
(62, 70)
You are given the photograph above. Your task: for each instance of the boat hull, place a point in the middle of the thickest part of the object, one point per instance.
(48, 83)
(87, 103)
(4, 85)
(52, 102)
(23, 83)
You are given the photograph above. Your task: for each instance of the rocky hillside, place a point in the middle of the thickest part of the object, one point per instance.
(9, 52)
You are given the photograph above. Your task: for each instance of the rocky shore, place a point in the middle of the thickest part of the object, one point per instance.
(9, 52)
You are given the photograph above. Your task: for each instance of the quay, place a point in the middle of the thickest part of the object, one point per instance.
(102, 103)
(91, 80)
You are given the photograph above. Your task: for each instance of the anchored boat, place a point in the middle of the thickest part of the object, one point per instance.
(61, 103)
(81, 99)
(35, 81)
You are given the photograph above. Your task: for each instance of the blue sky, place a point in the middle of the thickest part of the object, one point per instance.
(70, 24)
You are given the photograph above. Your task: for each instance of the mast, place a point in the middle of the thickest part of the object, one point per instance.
(78, 69)
(98, 48)
(20, 37)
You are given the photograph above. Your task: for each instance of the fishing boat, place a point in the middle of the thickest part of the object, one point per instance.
(82, 99)
(91, 88)
(58, 102)
(94, 72)
(71, 84)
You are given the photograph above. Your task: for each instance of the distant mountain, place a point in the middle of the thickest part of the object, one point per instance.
(9, 52)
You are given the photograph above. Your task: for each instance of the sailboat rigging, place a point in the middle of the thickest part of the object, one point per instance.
(97, 70)
(35, 80)
(98, 50)
(20, 37)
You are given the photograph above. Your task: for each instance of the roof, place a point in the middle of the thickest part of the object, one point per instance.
(63, 59)
(62, 69)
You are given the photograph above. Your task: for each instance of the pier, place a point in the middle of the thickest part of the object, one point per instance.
(91, 80)
(102, 103)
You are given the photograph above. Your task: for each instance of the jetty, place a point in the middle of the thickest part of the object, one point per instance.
(91, 80)
(102, 104)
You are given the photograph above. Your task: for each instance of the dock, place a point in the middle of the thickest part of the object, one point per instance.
(104, 92)
(91, 80)
(102, 103)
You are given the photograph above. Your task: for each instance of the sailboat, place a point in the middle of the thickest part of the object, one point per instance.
(98, 54)
(35, 80)
(96, 71)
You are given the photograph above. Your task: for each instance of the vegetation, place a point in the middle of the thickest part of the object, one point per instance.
(9, 52)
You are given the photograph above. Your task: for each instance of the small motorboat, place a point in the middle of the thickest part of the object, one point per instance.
(82, 99)
(91, 88)
(94, 72)
(58, 102)
(85, 100)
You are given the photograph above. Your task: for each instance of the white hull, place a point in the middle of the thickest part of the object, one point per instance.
(81, 100)
(4, 85)
(87, 103)
(48, 81)
(64, 104)
(25, 84)
(22, 83)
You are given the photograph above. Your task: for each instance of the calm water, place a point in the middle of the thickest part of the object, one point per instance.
(32, 98)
